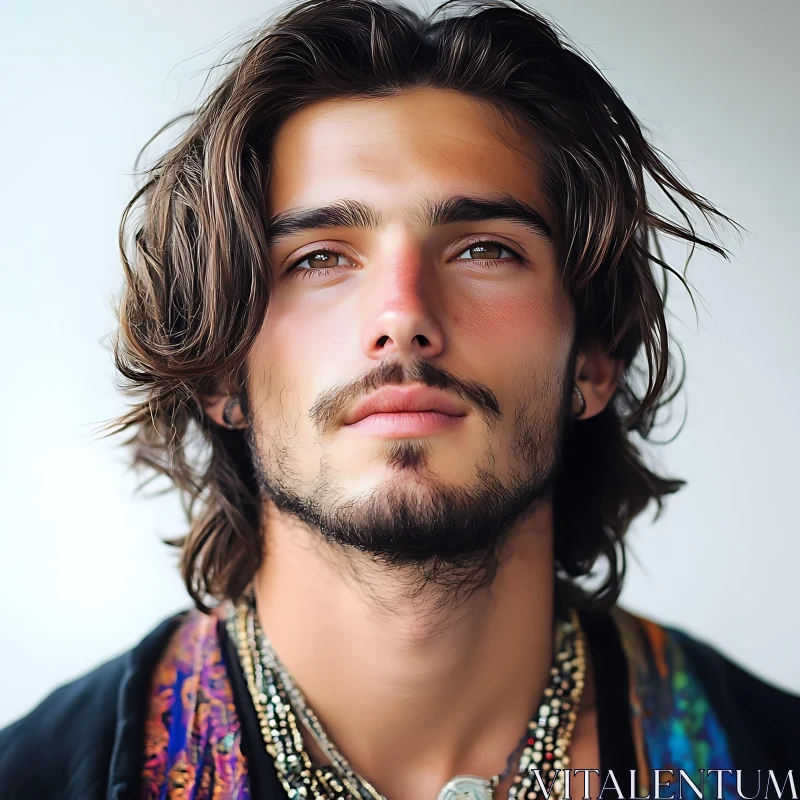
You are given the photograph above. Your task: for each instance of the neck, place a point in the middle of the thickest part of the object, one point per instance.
(412, 690)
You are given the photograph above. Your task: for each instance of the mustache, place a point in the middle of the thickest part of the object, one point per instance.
(331, 405)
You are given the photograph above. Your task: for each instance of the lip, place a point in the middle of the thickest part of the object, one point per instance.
(405, 409)
(406, 424)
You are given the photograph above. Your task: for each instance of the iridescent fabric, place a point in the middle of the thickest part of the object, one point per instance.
(193, 735)
(674, 726)
(192, 732)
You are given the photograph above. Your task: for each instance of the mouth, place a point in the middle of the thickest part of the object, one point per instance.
(406, 411)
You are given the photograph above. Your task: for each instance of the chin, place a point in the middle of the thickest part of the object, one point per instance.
(413, 482)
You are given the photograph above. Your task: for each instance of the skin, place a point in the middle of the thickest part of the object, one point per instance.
(412, 686)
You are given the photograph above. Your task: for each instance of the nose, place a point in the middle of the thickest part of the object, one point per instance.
(402, 310)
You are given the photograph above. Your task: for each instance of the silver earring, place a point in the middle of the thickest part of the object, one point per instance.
(227, 411)
(581, 398)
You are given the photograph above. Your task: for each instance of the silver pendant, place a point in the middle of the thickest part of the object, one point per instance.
(466, 787)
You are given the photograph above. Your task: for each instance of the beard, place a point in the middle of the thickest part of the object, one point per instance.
(451, 535)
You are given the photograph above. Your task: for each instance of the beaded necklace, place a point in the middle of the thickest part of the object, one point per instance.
(279, 703)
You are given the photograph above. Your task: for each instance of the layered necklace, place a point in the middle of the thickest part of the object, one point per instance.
(280, 706)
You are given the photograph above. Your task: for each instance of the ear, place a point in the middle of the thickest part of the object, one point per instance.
(597, 375)
(224, 407)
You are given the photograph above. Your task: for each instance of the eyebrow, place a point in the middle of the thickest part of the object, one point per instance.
(350, 213)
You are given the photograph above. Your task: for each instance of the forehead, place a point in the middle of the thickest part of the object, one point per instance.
(395, 149)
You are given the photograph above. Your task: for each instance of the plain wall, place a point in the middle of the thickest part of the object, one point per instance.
(85, 84)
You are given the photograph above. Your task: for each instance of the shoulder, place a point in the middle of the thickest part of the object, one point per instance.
(63, 748)
(674, 672)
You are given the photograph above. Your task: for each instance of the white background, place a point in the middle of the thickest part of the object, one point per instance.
(83, 85)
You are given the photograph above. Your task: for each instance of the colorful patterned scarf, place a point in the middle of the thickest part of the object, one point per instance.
(192, 732)
(193, 735)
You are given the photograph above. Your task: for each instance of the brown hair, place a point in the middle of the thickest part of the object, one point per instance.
(198, 280)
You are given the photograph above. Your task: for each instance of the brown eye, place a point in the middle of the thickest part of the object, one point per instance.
(488, 251)
(322, 259)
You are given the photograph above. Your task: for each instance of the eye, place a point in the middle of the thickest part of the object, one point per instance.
(488, 250)
(321, 262)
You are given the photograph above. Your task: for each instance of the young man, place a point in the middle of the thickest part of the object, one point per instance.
(391, 314)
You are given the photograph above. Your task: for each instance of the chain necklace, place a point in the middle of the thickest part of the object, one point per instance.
(279, 703)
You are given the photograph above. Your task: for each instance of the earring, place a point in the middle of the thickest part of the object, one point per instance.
(581, 398)
(227, 411)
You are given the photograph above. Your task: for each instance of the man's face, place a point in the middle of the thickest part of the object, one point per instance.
(473, 309)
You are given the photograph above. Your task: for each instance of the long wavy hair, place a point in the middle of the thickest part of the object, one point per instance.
(197, 277)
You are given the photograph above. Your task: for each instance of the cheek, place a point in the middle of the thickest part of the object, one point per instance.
(522, 324)
(293, 352)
